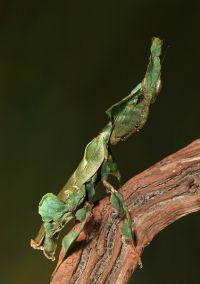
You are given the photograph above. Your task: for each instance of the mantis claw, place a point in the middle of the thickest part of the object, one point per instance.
(83, 216)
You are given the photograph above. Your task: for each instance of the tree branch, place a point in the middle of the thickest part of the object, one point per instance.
(156, 198)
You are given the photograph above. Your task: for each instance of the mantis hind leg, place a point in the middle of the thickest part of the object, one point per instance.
(108, 168)
(118, 202)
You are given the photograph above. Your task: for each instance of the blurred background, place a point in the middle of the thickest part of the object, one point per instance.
(62, 64)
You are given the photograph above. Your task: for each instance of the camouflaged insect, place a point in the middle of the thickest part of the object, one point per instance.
(73, 204)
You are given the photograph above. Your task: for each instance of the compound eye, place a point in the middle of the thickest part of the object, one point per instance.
(158, 87)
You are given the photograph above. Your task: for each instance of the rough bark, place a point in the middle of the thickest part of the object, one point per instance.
(157, 197)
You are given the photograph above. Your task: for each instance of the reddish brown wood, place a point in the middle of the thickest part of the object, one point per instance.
(156, 198)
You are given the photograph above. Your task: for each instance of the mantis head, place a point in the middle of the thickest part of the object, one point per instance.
(55, 214)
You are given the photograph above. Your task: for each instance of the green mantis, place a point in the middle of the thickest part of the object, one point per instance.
(73, 204)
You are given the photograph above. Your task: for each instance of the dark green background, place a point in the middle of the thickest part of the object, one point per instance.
(62, 63)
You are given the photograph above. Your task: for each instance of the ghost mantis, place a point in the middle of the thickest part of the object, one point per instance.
(73, 204)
